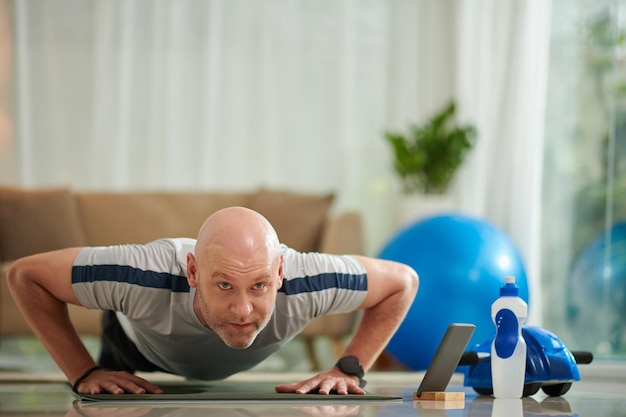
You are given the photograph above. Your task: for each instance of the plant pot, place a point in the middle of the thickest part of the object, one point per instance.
(415, 207)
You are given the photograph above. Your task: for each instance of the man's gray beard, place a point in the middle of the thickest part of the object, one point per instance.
(258, 332)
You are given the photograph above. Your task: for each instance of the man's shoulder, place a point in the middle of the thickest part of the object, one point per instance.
(313, 272)
(177, 243)
(162, 255)
(180, 245)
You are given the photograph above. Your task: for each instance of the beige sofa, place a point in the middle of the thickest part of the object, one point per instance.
(33, 221)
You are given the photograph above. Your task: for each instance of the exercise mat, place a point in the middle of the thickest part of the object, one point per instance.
(228, 391)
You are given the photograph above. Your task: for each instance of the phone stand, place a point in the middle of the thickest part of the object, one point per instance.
(439, 396)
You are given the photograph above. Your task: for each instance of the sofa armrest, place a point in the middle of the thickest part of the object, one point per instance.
(12, 323)
(342, 234)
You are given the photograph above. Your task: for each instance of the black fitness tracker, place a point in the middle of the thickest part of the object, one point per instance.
(350, 365)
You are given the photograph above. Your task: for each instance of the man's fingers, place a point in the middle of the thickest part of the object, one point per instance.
(135, 385)
(286, 388)
(341, 388)
(112, 388)
(356, 390)
(125, 385)
(298, 387)
(307, 387)
(327, 386)
(95, 390)
(117, 382)
(324, 385)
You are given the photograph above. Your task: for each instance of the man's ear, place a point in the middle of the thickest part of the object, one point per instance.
(280, 272)
(192, 271)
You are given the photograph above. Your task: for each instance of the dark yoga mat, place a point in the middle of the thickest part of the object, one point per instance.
(228, 391)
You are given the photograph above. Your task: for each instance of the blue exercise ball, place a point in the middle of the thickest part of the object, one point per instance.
(462, 262)
(596, 293)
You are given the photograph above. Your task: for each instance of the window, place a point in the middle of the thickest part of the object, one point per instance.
(584, 188)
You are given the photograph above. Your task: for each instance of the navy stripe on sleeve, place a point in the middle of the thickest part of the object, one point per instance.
(130, 275)
(323, 282)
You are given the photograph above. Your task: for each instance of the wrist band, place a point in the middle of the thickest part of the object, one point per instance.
(84, 376)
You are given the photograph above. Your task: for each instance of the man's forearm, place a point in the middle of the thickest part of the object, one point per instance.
(377, 325)
(49, 319)
(65, 347)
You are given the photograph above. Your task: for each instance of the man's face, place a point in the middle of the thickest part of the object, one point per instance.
(235, 298)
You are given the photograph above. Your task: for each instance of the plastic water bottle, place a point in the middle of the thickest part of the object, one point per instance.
(508, 350)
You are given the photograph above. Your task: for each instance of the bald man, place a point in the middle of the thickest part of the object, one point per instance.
(207, 308)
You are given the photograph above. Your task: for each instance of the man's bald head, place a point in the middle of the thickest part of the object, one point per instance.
(238, 232)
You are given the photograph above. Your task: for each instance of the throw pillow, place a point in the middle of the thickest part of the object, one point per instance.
(34, 221)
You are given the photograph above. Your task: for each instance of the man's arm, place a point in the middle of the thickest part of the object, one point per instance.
(392, 286)
(41, 286)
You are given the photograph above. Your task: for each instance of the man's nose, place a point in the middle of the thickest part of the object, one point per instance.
(242, 306)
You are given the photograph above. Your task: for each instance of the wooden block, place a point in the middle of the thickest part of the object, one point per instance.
(423, 406)
(439, 396)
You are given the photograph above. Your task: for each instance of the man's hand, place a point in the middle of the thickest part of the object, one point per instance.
(333, 381)
(116, 382)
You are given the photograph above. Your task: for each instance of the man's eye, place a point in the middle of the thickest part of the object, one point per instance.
(259, 286)
(223, 285)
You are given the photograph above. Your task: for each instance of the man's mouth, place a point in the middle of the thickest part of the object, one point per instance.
(242, 326)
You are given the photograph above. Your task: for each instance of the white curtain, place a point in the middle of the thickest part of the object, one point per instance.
(215, 95)
(502, 78)
(292, 94)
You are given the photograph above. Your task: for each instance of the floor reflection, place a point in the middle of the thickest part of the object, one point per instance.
(589, 399)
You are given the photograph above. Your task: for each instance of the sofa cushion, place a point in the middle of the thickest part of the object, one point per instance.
(298, 218)
(33, 221)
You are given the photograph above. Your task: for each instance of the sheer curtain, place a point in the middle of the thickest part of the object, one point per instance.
(502, 81)
(215, 95)
(292, 94)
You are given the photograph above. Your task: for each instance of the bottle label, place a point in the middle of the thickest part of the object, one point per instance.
(507, 333)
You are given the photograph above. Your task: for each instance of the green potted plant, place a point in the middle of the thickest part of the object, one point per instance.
(428, 156)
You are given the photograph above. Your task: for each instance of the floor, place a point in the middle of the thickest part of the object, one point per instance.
(600, 393)
(31, 385)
